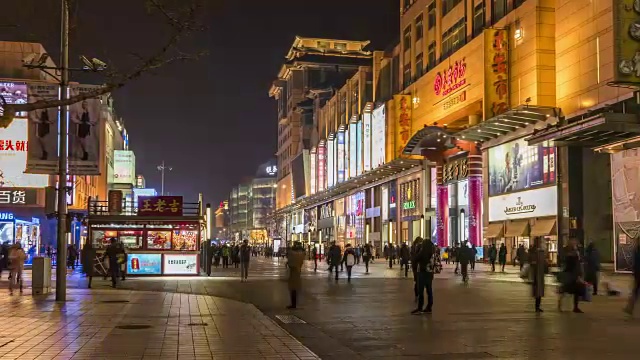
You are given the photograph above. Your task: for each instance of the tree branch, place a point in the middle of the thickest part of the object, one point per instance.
(182, 27)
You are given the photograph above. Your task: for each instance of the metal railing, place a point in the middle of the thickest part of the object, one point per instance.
(130, 208)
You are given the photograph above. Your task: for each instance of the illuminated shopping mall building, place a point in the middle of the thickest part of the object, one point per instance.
(495, 121)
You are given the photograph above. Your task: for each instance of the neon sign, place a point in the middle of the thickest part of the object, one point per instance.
(451, 78)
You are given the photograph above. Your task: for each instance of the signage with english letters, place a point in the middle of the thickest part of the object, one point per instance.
(524, 205)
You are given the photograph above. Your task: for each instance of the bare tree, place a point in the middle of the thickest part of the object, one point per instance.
(182, 17)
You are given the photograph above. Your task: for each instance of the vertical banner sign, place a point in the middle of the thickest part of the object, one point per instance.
(626, 41)
(84, 134)
(331, 164)
(353, 150)
(314, 168)
(359, 153)
(322, 166)
(475, 210)
(496, 78)
(378, 137)
(341, 156)
(403, 121)
(366, 142)
(115, 202)
(442, 216)
(42, 156)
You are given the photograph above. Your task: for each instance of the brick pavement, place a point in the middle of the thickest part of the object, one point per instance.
(124, 324)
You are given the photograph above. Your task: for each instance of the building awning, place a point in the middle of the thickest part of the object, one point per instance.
(517, 228)
(590, 131)
(493, 230)
(507, 122)
(429, 137)
(543, 227)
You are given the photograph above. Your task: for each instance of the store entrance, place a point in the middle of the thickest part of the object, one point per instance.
(458, 213)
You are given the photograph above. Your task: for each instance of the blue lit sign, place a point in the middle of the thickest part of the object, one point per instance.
(6, 216)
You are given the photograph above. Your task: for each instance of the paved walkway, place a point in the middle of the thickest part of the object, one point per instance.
(124, 324)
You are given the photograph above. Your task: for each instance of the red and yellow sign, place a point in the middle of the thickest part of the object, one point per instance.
(450, 79)
(160, 206)
(403, 121)
(496, 82)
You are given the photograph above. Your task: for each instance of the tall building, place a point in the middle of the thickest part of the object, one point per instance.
(221, 228)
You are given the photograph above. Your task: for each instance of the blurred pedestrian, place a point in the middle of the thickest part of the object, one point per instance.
(537, 270)
(295, 259)
(572, 281)
(314, 253)
(521, 255)
(635, 291)
(88, 259)
(428, 265)
(415, 250)
(404, 259)
(493, 254)
(349, 260)
(245, 256)
(474, 253)
(111, 252)
(502, 256)
(17, 257)
(464, 258)
(226, 252)
(122, 260)
(367, 256)
(4, 257)
(592, 266)
(334, 258)
(72, 254)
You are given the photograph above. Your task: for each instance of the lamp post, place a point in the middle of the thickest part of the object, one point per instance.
(162, 167)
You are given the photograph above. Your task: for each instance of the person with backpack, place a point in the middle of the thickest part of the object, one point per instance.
(349, 260)
(17, 257)
(428, 265)
(367, 256)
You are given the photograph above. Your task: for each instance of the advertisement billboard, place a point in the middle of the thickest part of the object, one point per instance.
(314, 169)
(366, 142)
(42, 155)
(160, 206)
(626, 38)
(340, 154)
(13, 157)
(496, 73)
(378, 139)
(524, 205)
(180, 264)
(322, 167)
(403, 121)
(516, 166)
(84, 134)
(124, 167)
(353, 150)
(144, 264)
(14, 93)
(137, 192)
(625, 172)
(360, 154)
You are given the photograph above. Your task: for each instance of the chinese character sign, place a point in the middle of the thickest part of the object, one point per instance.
(160, 206)
(403, 121)
(13, 157)
(18, 197)
(496, 79)
(450, 79)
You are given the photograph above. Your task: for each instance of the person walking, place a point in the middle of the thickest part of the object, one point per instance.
(314, 253)
(235, 256)
(474, 253)
(415, 250)
(295, 260)
(349, 260)
(72, 254)
(493, 254)
(88, 259)
(334, 258)
(17, 257)
(537, 270)
(502, 256)
(571, 276)
(521, 255)
(404, 259)
(245, 256)
(225, 256)
(592, 266)
(464, 258)
(635, 291)
(112, 252)
(367, 256)
(428, 265)
(4, 257)
(122, 260)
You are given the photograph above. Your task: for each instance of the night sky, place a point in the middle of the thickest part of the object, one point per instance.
(211, 120)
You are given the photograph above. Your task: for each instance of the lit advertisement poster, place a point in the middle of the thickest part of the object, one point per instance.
(124, 167)
(144, 264)
(180, 264)
(313, 170)
(516, 166)
(353, 150)
(42, 155)
(84, 133)
(366, 142)
(341, 156)
(378, 139)
(322, 167)
(360, 152)
(14, 93)
(331, 166)
(13, 157)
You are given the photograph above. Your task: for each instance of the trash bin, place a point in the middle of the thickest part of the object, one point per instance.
(41, 275)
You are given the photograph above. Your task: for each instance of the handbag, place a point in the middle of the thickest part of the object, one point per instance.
(587, 292)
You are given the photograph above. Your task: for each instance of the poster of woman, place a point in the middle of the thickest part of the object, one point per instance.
(42, 154)
(84, 131)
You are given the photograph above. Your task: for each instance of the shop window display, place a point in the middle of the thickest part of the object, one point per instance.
(184, 239)
(159, 240)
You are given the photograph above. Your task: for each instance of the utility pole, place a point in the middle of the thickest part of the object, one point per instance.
(61, 257)
(162, 167)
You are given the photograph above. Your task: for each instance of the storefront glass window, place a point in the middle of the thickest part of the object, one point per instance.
(130, 239)
(184, 239)
(160, 240)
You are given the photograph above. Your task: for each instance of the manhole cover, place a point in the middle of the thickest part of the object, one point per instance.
(290, 319)
(114, 301)
(133, 327)
(197, 324)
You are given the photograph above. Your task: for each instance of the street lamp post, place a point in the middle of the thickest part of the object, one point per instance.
(162, 167)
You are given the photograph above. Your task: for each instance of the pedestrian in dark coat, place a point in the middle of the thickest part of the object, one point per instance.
(349, 260)
(502, 256)
(295, 260)
(493, 254)
(592, 266)
(635, 291)
(538, 269)
(334, 258)
(572, 281)
(88, 259)
(404, 259)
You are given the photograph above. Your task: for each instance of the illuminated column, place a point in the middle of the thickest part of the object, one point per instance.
(475, 199)
(442, 210)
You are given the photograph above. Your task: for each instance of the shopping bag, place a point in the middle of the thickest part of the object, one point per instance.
(587, 292)
(524, 273)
